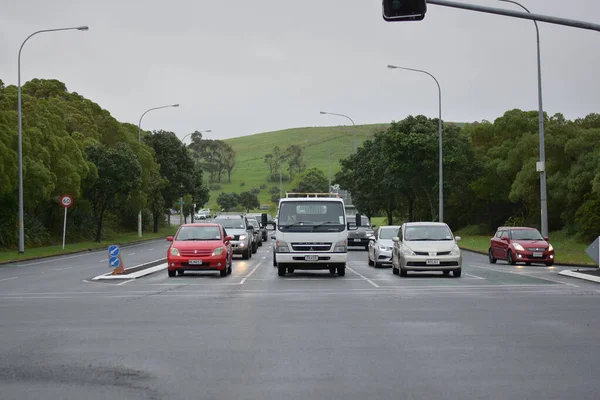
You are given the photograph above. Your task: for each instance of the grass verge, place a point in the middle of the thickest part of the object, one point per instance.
(55, 250)
(568, 251)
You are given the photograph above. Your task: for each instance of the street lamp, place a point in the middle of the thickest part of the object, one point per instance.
(345, 116)
(20, 134)
(441, 170)
(541, 167)
(140, 142)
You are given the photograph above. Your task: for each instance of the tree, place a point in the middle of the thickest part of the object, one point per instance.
(249, 201)
(117, 173)
(295, 159)
(311, 181)
(228, 201)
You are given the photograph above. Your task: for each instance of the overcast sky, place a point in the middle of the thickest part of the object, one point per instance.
(246, 66)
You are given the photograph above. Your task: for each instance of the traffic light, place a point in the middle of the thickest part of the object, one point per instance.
(404, 10)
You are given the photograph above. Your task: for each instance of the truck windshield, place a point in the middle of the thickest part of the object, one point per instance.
(309, 216)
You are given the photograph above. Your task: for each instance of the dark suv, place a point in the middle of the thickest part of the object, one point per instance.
(240, 230)
(361, 236)
(263, 229)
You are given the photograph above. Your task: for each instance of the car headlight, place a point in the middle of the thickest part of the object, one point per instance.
(517, 246)
(175, 251)
(407, 252)
(218, 251)
(550, 248)
(281, 247)
(455, 251)
(384, 248)
(243, 237)
(341, 247)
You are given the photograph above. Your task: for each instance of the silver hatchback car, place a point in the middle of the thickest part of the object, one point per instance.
(426, 246)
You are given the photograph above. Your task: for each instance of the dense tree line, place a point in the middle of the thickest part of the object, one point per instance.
(293, 157)
(73, 146)
(490, 173)
(215, 156)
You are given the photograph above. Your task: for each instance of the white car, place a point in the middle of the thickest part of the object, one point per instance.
(381, 245)
(426, 246)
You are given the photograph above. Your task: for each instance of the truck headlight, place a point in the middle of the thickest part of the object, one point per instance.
(281, 247)
(341, 247)
(218, 251)
(175, 251)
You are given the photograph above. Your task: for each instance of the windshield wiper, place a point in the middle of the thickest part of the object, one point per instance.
(325, 223)
(295, 224)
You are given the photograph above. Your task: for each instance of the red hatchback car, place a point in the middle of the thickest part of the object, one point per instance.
(200, 247)
(519, 244)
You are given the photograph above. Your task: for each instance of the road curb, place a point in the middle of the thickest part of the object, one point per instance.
(68, 253)
(575, 274)
(557, 264)
(136, 272)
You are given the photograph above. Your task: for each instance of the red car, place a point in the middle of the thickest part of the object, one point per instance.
(200, 247)
(519, 244)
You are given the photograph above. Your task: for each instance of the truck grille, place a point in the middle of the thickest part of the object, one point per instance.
(308, 247)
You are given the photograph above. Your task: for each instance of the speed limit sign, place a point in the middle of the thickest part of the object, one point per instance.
(66, 201)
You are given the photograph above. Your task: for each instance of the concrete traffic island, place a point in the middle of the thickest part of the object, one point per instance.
(136, 272)
(592, 275)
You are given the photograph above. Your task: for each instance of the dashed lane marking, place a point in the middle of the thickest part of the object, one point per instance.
(363, 277)
(250, 274)
(9, 279)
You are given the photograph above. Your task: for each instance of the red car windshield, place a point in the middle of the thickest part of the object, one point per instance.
(525, 234)
(199, 233)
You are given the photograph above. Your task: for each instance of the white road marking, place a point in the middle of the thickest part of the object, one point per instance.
(124, 282)
(150, 249)
(291, 278)
(523, 274)
(364, 277)
(8, 279)
(102, 261)
(475, 276)
(131, 254)
(250, 274)
(59, 269)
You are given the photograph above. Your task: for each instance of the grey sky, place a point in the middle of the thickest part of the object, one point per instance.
(245, 66)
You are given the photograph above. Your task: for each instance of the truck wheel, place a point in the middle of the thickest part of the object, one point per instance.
(341, 271)
(281, 271)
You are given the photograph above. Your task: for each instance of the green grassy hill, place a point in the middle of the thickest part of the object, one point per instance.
(252, 171)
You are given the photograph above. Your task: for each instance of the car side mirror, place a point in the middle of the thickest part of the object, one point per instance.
(372, 239)
(373, 226)
(396, 239)
(358, 219)
(169, 238)
(546, 238)
(458, 238)
(228, 238)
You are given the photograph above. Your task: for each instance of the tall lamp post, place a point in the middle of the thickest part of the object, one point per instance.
(541, 166)
(345, 116)
(441, 154)
(140, 142)
(20, 135)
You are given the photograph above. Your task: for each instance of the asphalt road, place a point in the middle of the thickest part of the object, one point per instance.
(498, 332)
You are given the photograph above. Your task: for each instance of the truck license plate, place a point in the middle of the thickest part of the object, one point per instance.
(433, 262)
(195, 262)
(311, 258)
(538, 254)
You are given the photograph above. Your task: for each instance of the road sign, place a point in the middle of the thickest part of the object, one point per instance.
(113, 251)
(114, 262)
(66, 201)
(594, 250)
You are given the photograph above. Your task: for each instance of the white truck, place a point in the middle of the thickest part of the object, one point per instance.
(311, 233)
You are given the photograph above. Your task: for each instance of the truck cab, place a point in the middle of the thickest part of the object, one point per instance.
(311, 233)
